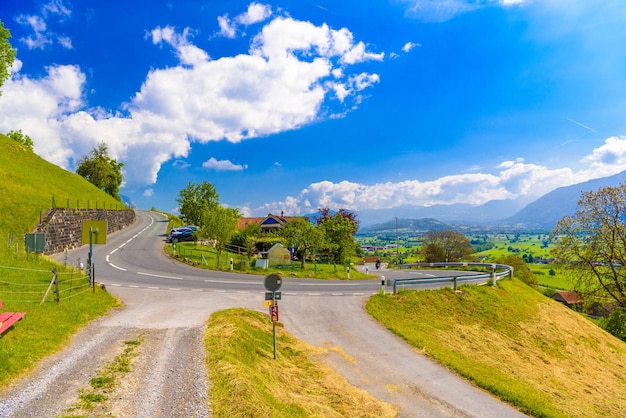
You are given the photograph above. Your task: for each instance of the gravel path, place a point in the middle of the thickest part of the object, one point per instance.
(167, 378)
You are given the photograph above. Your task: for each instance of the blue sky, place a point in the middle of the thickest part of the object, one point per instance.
(296, 105)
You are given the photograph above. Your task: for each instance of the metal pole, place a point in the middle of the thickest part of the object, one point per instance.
(274, 326)
(90, 257)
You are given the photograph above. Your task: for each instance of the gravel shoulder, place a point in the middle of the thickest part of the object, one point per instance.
(168, 377)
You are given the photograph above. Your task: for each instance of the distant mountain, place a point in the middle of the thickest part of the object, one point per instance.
(458, 213)
(404, 226)
(543, 213)
(546, 211)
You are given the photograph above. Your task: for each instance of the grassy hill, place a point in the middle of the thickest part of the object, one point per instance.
(28, 185)
(520, 345)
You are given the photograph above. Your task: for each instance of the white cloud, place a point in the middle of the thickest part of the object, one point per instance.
(40, 37)
(56, 7)
(280, 85)
(223, 165)
(510, 180)
(227, 28)
(442, 10)
(256, 13)
(148, 193)
(409, 46)
(609, 158)
(187, 53)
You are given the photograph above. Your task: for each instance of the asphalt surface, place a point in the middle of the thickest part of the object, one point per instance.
(161, 293)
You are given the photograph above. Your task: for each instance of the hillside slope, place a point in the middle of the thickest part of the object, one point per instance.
(28, 185)
(511, 340)
(546, 211)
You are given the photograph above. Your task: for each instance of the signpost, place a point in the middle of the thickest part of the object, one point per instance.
(93, 232)
(272, 284)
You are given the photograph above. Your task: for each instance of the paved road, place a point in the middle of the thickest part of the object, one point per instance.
(324, 313)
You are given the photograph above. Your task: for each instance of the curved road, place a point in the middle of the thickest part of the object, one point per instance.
(160, 293)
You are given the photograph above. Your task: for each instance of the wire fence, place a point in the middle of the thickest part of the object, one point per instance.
(25, 285)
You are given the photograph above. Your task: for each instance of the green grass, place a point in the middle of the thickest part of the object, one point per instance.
(28, 185)
(193, 254)
(31, 183)
(246, 381)
(511, 340)
(93, 400)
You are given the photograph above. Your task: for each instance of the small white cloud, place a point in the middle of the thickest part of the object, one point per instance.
(409, 46)
(180, 164)
(227, 29)
(40, 37)
(187, 53)
(56, 7)
(440, 10)
(223, 165)
(609, 158)
(148, 193)
(256, 13)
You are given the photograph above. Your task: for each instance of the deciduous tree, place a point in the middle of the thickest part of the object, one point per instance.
(220, 223)
(7, 54)
(445, 245)
(101, 170)
(339, 229)
(303, 237)
(195, 200)
(591, 244)
(21, 138)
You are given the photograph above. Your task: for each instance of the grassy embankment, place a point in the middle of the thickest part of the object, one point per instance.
(27, 186)
(246, 381)
(511, 340)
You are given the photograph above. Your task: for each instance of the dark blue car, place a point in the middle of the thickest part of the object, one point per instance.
(180, 234)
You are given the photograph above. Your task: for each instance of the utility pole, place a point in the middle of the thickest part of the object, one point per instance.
(397, 247)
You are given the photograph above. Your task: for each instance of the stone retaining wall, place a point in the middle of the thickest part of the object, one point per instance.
(63, 226)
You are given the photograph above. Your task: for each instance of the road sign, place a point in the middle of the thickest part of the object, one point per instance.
(35, 242)
(98, 232)
(273, 282)
(272, 295)
(274, 313)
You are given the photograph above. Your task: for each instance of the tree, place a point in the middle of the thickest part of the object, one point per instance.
(591, 244)
(220, 223)
(21, 138)
(246, 237)
(339, 230)
(520, 269)
(195, 200)
(101, 170)
(446, 245)
(7, 54)
(302, 237)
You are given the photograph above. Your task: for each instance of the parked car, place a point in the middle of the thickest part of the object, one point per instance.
(180, 234)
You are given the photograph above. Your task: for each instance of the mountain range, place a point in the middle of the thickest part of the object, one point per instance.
(543, 213)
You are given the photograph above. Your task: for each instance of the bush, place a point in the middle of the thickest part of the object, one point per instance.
(615, 323)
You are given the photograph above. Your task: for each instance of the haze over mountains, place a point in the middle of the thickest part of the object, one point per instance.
(542, 213)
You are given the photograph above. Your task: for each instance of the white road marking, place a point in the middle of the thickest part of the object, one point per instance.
(160, 276)
(231, 282)
(328, 284)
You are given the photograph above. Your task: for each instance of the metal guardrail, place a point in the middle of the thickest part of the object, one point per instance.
(498, 271)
